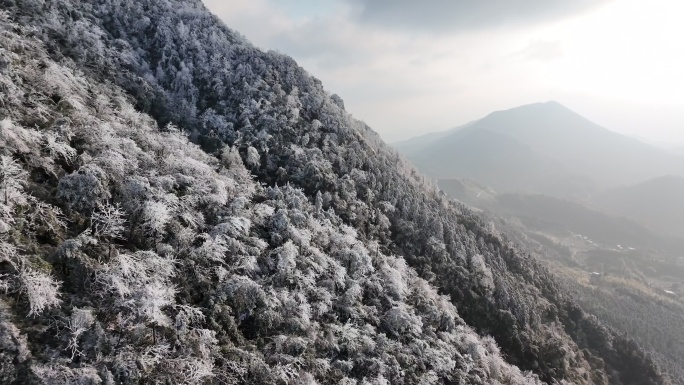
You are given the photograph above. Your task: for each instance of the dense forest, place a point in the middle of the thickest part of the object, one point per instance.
(179, 206)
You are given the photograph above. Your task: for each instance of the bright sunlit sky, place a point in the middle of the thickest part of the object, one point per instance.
(408, 67)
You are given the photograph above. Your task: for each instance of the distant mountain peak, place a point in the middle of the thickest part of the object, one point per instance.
(555, 133)
(548, 104)
(538, 112)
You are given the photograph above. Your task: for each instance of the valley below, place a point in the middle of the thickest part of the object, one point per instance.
(617, 245)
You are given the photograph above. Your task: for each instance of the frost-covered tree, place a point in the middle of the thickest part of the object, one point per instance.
(62, 375)
(253, 158)
(155, 216)
(41, 289)
(80, 321)
(84, 189)
(482, 273)
(12, 178)
(58, 149)
(42, 217)
(108, 222)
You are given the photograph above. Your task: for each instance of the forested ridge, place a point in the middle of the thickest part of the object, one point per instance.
(182, 207)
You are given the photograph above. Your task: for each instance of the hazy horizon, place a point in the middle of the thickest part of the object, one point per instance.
(409, 69)
(672, 146)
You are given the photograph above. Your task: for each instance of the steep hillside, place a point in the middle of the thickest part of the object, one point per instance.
(581, 147)
(289, 284)
(128, 255)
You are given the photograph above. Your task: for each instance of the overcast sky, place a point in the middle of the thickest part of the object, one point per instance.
(409, 67)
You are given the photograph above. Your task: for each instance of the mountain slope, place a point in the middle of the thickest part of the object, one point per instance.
(179, 64)
(497, 160)
(658, 203)
(562, 216)
(583, 148)
(417, 144)
(638, 289)
(169, 265)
